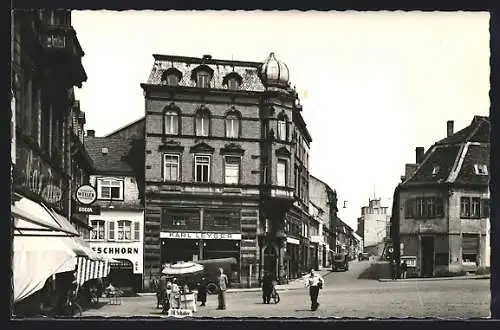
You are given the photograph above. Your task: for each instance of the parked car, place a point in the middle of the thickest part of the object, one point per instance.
(363, 256)
(340, 261)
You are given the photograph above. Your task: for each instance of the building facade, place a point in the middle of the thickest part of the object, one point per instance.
(46, 66)
(325, 198)
(442, 223)
(372, 226)
(221, 139)
(118, 226)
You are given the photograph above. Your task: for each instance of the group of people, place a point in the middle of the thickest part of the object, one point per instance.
(169, 291)
(403, 269)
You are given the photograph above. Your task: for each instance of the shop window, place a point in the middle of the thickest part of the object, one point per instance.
(232, 169)
(233, 125)
(221, 219)
(110, 189)
(470, 248)
(98, 230)
(171, 118)
(171, 167)
(281, 172)
(124, 230)
(180, 219)
(202, 123)
(202, 168)
(470, 207)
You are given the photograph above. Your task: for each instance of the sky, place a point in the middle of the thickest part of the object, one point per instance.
(373, 85)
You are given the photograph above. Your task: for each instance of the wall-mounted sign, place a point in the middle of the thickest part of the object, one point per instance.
(116, 250)
(200, 235)
(87, 209)
(33, 174)
(411, 261)
(86, 194)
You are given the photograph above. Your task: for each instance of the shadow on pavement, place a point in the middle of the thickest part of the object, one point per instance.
(94, 306)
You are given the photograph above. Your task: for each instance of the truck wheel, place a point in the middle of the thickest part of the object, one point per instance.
(211, 288)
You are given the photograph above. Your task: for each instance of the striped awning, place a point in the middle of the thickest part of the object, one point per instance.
(91, 269)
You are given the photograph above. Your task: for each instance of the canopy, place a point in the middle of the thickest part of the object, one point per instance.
(35, 260)
(183, 268)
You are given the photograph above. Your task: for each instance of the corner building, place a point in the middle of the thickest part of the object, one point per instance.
(220, 139)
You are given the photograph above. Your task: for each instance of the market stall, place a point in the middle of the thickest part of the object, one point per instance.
(184, 299)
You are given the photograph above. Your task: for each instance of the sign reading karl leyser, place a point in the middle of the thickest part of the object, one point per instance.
(86, 194)
(199, 235)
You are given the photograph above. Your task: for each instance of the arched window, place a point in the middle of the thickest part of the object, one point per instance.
(171, 119)
(98, 229)
(202, 123)
(233, 124)
(124, 230)
(282, 127)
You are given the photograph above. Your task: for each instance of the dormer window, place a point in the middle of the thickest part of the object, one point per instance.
(435, 170)
(232, 80)
(480, 169)
(203, 79)
(171, 77)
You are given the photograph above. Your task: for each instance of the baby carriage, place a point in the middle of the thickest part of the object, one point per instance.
(274, 294)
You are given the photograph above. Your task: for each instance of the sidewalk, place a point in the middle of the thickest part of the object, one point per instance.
(466, 277)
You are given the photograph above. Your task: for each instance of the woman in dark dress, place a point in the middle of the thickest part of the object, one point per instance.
(202, 291)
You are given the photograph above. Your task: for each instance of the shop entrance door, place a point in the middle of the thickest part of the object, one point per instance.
(427, 256)
(270, 260)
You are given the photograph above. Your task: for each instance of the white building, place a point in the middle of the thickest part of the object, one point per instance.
(118, 228)
(372, 226)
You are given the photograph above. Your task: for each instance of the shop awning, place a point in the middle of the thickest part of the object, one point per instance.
(35, 259)
(91, 269)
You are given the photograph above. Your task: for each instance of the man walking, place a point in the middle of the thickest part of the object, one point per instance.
(314, 282)
(404, 269)
(267, 287)
(223, 283)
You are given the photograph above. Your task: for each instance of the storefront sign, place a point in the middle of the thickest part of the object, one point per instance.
(87, 209)
(200, 235)
(425, 227)
(292, 240)
(116, 250)
(411, 261)
(86, 194)
(36, 176)
(122, 251)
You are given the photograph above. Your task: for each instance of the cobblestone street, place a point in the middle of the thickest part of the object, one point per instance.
(343, 296)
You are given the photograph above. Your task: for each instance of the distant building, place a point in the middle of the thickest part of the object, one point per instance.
(118, 228)
(325, 199)
(372, 226)
(441, 208)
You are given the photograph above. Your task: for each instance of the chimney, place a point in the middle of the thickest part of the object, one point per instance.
(207, 57)
(419, 153)
(449, 128)
(90, 133)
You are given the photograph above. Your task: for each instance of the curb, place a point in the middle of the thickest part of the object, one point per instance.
(476, 277)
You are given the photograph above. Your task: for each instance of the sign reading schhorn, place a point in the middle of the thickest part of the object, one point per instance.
(86, 194)
(200, 235)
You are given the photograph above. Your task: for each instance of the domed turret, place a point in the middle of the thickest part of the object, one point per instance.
(274, 73)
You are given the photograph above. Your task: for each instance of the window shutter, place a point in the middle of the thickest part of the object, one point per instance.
(137, 231)
(485, 208)
(111, 231)
(439, 207)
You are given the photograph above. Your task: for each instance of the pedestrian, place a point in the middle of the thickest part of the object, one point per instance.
(314, 282)
(267, 287)
(404, 269)
(222, 287)
(394, 269)
(73, 297)
(202, 291)
(175, 294)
